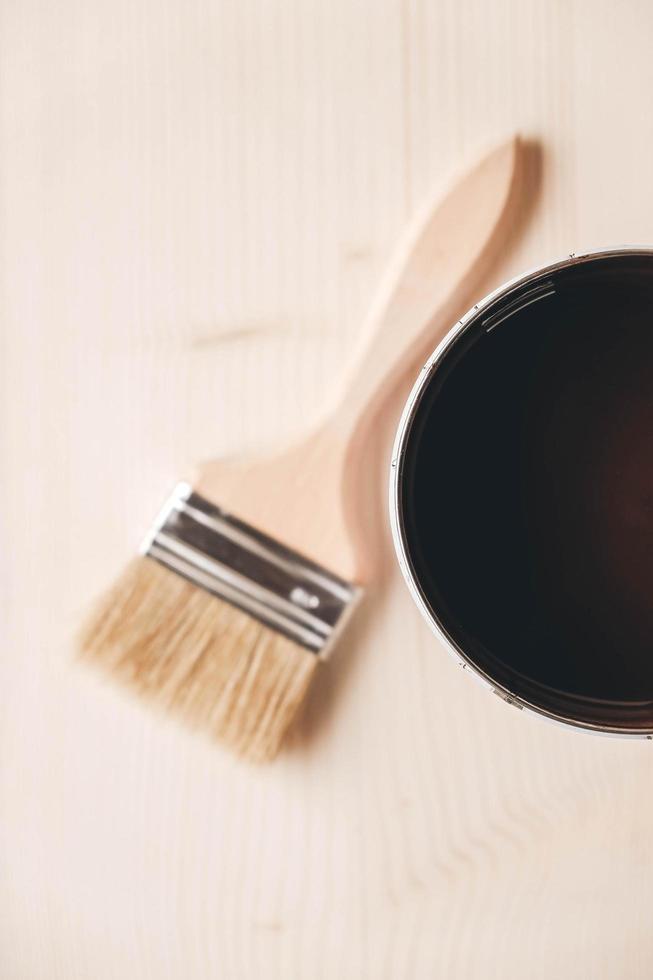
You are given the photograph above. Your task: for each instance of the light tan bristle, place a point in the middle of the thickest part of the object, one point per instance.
(200, 657)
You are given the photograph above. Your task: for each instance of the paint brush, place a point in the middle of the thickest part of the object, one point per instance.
(250, 574)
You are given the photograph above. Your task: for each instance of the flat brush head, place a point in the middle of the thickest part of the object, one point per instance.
(219, 624)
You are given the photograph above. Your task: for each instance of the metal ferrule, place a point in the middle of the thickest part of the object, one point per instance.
(235, 562)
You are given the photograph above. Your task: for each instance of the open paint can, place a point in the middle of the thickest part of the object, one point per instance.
(521, 491)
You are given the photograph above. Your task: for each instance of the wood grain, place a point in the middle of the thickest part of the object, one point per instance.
(196, 202)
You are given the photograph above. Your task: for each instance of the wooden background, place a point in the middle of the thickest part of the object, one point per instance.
(197, 199)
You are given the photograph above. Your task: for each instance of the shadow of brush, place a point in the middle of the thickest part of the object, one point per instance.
(371, 468)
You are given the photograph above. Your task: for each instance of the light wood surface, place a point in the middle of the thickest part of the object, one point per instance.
(313, 495)
(196, 202)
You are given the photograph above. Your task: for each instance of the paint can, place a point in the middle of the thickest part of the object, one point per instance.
(521, 491)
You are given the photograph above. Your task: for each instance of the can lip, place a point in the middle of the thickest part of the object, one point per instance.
(396, 518)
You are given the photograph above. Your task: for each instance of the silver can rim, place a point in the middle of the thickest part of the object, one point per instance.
(420, 386)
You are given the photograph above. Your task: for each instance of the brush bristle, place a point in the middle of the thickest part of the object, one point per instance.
(199, 657)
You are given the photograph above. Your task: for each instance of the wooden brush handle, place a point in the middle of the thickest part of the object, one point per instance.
(427, 276)
(307, 495)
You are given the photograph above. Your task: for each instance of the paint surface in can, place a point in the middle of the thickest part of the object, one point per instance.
(527, 494)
